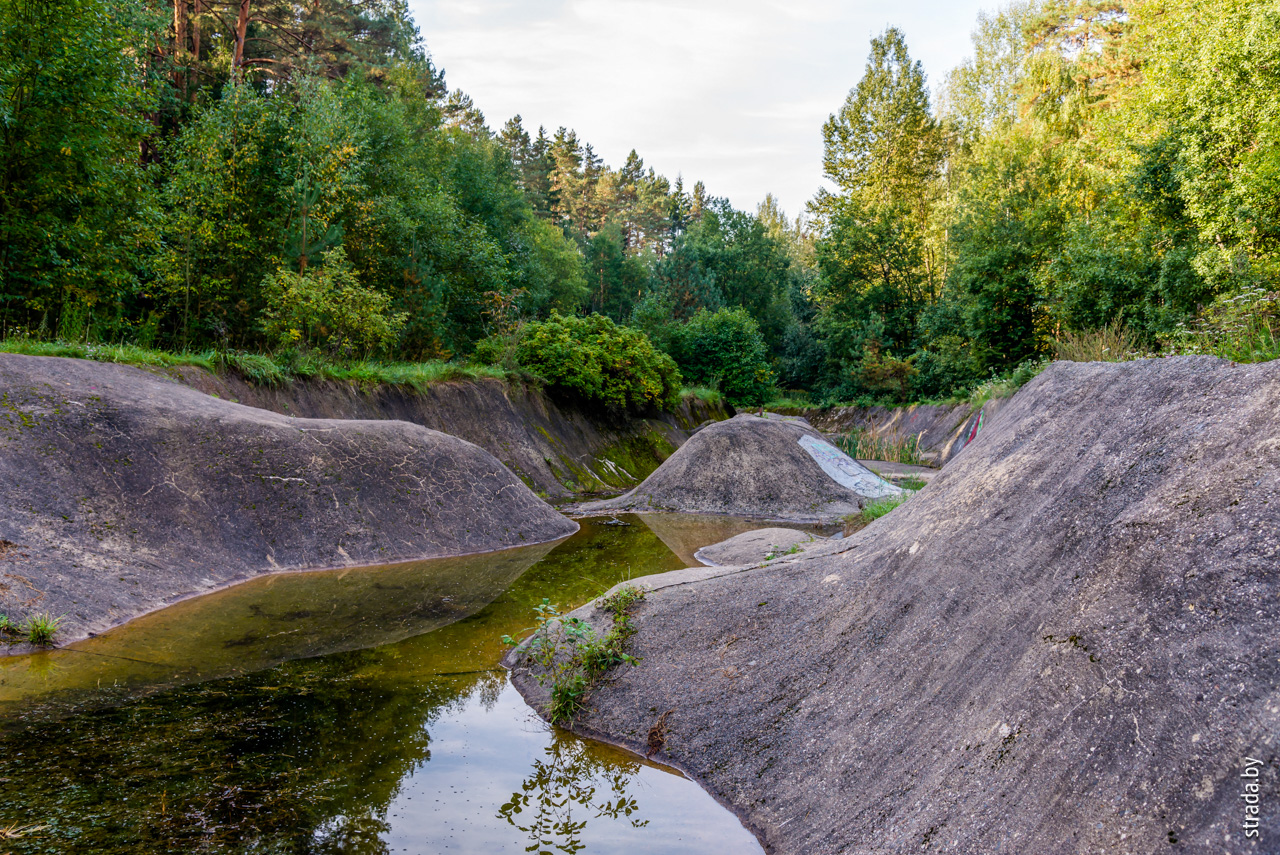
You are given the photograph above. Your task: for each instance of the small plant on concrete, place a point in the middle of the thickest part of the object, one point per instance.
(41, 627)
(572, 655)
(874, 510)
(8, 629)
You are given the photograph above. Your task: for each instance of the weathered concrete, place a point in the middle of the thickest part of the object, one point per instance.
(124, 492)
(756, 467)
(943, 429)
(756, 546)
(1068, 642)
(555, 450)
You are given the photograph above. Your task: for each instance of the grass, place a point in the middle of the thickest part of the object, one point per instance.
(40, 628)
(913, 484)
(1112, 343)
(263, 369)
(710, 397)
(9, 629)
(863, 444)
(873, 511)
(1244, 328)
(573, 656)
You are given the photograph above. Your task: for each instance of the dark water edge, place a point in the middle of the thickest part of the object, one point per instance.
(343, 712)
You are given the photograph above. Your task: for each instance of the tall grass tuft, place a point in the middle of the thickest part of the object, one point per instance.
(869, 444)
(40, 628)
(1111, 343)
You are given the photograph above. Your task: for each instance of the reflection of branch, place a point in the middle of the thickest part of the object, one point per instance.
(568, 776)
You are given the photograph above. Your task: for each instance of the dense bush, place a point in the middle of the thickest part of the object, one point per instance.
(327, 309)
(595, 361)
(725, 349)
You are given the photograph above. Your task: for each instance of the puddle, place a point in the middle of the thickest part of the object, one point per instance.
(358, 711)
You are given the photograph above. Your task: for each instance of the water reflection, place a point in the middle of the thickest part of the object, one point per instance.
(415, 746)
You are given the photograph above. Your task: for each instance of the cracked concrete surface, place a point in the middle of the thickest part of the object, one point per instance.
(1068, 642)
(124, 492)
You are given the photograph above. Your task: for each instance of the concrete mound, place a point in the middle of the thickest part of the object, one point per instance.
(753, 547)
(124, 492)
(1068, 642)
(774, 468)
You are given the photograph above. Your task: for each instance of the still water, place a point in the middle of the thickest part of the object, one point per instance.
(355, 711)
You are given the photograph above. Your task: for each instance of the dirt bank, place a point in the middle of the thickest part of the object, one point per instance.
(554, 449)
(775, 468)
(124, 492)
(1068, 642)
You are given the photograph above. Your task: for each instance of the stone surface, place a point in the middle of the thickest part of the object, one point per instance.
(749, 466)
(123, 492)
(553, 448)
(942, 430)
(754, 547)
(1068, 642)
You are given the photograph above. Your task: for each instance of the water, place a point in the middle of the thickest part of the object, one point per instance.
(358, 711)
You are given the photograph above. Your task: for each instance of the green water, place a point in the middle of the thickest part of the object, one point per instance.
(357, 711)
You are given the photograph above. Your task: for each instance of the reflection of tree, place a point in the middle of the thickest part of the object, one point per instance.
(568, 777)
(305, 757)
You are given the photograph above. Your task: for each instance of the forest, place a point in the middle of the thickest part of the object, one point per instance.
(1100, 180)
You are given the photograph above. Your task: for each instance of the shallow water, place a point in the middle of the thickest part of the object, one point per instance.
(358, 711)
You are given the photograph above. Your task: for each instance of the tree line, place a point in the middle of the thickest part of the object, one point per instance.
(281, 175)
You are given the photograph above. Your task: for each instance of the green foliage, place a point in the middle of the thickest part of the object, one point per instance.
(874, 510)
(1111, 343)
(864, 444)
(326, 308)
(597, 362)
(725, 349)
(571, 656)
(40, 628)
(76, 205)
(1243, 328)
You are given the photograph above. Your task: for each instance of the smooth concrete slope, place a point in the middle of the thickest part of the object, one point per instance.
(123, 492)
(776, 468)
(1069, 642)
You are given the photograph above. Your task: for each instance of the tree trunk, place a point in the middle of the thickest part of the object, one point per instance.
(180, 45)
(242, 27)
(197, 11)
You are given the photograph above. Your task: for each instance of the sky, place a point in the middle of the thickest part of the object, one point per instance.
(730, 92)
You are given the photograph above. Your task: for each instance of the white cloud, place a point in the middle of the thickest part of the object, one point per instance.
(730, 92)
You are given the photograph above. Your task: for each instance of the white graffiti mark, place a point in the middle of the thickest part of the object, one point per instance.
(846, 471)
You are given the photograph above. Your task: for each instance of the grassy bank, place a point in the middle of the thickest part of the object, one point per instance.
(263, 369)
(266, 369)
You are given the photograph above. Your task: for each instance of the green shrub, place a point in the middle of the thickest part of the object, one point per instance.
(1243, 328)
(595, 361)
(725, 349)
(41, 627)
(326, 308)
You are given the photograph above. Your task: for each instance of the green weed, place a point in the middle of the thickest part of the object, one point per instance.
(41, 627)
(863, 444)
(1112, 343)
(573, 656)
(8, 628)
(875, 510)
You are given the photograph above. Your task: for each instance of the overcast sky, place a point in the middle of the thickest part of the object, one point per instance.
(729, 92)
